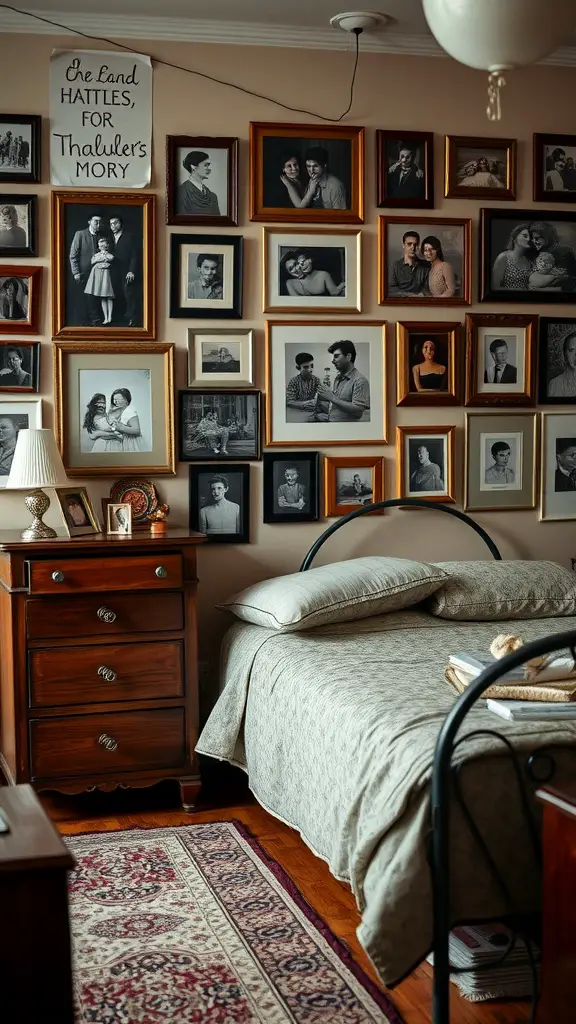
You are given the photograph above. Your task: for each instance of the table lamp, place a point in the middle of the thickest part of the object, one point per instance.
(36, 464)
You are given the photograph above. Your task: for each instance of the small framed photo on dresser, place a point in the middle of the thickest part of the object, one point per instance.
(558, 482)
(312, 270)
(351, 482)
(554, 168)
(405, 169)
(291, 487)
(20, 141)
(78, 514)
(425, 463)
(18, 217)
(557, 361)
(501, 457)
(220, 502)
(201, 180)
(427, 360)
(500, 359)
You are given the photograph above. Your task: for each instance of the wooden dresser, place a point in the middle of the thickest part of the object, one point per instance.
(558, 998)
(98, 661)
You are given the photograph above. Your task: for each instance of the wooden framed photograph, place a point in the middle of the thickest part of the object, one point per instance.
(15, 414)
(528, 255)
(557, 361)
(306, 172)
(501, 457)
(428, 363)
(20, 142)
(291, 487)
(558, 458)
(220, 502)
(554, 168)
(77, 512)
(479, 168)
(223, 424)
(18, 224)
(425, 463)
(201, 180)
(114, 407)
(424, 262)
(206, 276)
(329, 388)
(119, 518)
(220, 358)
(351, 482)
(312, 270)
(20, 299)
(500, 359)
(19, 365)
(405, 169)
(103, 265)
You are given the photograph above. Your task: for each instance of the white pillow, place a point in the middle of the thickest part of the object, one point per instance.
(515, 589)
(338, 592)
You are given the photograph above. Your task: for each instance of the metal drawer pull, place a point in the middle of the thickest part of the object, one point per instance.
(161, 572)
(58, 576)
(107, 673)
(105, 614)
(107, 741)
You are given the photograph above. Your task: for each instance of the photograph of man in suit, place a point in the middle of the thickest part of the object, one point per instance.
(501, 371)
(84, 246)
(404, 178)
(124, 274)
(565, 475)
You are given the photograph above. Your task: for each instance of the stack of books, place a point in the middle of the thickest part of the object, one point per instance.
(474, 947)
(551, 693)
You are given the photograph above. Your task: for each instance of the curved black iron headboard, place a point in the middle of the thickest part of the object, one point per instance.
(392, 503)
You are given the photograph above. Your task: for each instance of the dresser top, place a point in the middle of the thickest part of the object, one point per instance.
(10, 540)
(32, 842)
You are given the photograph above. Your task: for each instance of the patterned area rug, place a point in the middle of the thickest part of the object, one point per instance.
(197, 925)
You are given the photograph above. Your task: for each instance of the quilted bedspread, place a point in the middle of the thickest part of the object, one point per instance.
(336, 728)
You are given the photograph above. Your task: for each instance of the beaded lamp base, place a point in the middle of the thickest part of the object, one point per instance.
(37, 503)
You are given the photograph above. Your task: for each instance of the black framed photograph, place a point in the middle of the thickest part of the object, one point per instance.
(554, 168)
(405, 169)
(557, 361)
(480, 168)
(19, 365)
(20, 141)
(527, 255)
(424, 261)
(201, 180)
(291, 487)
(18, 220)
(500, 359)
(219, 424)
(219, 498)
(206, 276)
(312, 269)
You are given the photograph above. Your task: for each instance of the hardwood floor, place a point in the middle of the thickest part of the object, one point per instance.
(333, 900)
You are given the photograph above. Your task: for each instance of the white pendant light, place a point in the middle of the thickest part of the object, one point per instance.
(499, 35)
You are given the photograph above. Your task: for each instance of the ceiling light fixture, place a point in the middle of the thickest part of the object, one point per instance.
(360, 21)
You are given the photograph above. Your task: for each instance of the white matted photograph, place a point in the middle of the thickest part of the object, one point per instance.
(558, 498)
(220, 358)
(312, 269)
(500, 359)
(206, 276)
(17, 415)
(500, 462)
(119, 518)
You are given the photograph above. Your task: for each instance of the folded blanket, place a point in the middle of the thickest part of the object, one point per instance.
(561, 690)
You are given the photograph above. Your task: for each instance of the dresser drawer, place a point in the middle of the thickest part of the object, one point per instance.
(103, 616)
(108, 672)
(130, 572)
(101, 744)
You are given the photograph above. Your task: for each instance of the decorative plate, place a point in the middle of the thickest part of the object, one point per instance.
(140, 494)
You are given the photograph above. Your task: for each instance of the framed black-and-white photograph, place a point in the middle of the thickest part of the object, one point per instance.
(103, 279)
(77, 511)
(554, 168)
(557, 361)
(500, 471)
(19, 365)
(20, 299)
(220, 358)
(220, 502)
(303, 172)
(405, 169)
(206, 276)
(558, 481)
(20, 141)
(15, 415)
(325, 382)
(18, 224)
(480, 168)
(428, 363)
(500, 359)
(528, 255)
(223, 425)
(119, 518)
(425, 463)
(291, 487)
(350, 482)
(201, 180)
(425, 261)
(312, 269)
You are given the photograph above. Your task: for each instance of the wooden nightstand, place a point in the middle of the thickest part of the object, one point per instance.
(558, 996)
(98, 661)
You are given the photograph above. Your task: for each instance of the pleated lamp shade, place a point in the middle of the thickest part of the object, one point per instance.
(36, 462)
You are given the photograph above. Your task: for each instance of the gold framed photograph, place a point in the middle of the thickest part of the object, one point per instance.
(427, 362)
(480, 168)
(558, 458)
(306, 172)
(424, 261)
(312, 270)
(20, 299)
(114, 407)
(77, 511)
(351, 482)
(425, 463)
(103, 265)
(119, 518)
(501, 457)
(500, 359)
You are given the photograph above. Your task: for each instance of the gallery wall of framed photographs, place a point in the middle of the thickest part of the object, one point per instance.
(320, 314)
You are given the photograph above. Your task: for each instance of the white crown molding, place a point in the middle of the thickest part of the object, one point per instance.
(238, 33)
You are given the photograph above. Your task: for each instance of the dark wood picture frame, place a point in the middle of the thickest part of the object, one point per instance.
(34, 348)
(402, 470)
(453, 190)
(540, 192)
(487, 293)
(332, 463)
(31, 201)
(201, 142)
(496, 321)
(218, 468)
(312, 458)
(422, 139)
(424, 300)
(233, 311)
(33, 176)
(34, 275)
(546, 322)
(212, 394)
(405, 393)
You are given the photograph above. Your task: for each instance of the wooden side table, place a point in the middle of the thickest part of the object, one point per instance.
(558, 999)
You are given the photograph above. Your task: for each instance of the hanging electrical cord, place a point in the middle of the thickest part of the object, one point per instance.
(202, 74)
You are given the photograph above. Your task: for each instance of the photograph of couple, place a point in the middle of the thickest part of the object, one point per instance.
(104, 280)
(115, 419)
(312, 271)
(306, 173)
(426, 261)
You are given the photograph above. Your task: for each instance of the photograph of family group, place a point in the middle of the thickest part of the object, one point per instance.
(20, 147)
(424, 261)
(555, 168)
(528, 255)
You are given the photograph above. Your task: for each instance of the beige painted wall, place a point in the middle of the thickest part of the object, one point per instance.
(392, 92)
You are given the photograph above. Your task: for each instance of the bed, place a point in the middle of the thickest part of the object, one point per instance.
(336, 727)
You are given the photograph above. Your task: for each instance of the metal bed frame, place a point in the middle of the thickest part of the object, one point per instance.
(441, 784)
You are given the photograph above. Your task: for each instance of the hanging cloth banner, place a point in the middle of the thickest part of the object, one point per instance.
(100, 119)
